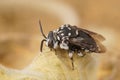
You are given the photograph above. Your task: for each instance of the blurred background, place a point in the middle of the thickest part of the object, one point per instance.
(20, 34)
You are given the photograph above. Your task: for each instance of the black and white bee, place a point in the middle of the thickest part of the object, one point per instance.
(74, 40)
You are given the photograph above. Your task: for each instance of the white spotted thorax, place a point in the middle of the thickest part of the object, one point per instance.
(64, 32)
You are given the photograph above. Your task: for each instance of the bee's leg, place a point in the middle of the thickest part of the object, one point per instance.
(50, 49)
(80, 53)
(72, 63)
(55, 51)
(71, 57)
(55, 47)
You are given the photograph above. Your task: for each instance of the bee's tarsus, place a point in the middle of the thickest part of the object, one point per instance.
(72, 61)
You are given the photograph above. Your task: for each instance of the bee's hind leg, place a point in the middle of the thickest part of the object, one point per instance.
(72, 63)
(55, 52)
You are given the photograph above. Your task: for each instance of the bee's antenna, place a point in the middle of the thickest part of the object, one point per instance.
(41, 29)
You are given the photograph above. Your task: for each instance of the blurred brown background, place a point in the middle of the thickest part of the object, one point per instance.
(20, 35)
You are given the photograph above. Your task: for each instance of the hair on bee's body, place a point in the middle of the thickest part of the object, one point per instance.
(74, 40)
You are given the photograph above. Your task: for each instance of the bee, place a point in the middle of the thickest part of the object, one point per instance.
(74, 40)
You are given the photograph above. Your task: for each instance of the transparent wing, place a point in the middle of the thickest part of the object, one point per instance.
(100, 46)
(84, 43)
(94, 46)
(97, 36)
(98, 39)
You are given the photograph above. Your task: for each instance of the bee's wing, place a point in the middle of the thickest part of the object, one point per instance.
(98, 39)
(84, 42)
(94, 46)
(77, 41)
(88, 39)
(100, 46)
(93, 34)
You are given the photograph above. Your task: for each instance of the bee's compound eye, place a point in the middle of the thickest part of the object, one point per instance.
(50, 44)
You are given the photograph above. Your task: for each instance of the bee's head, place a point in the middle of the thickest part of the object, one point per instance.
(50, 39)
